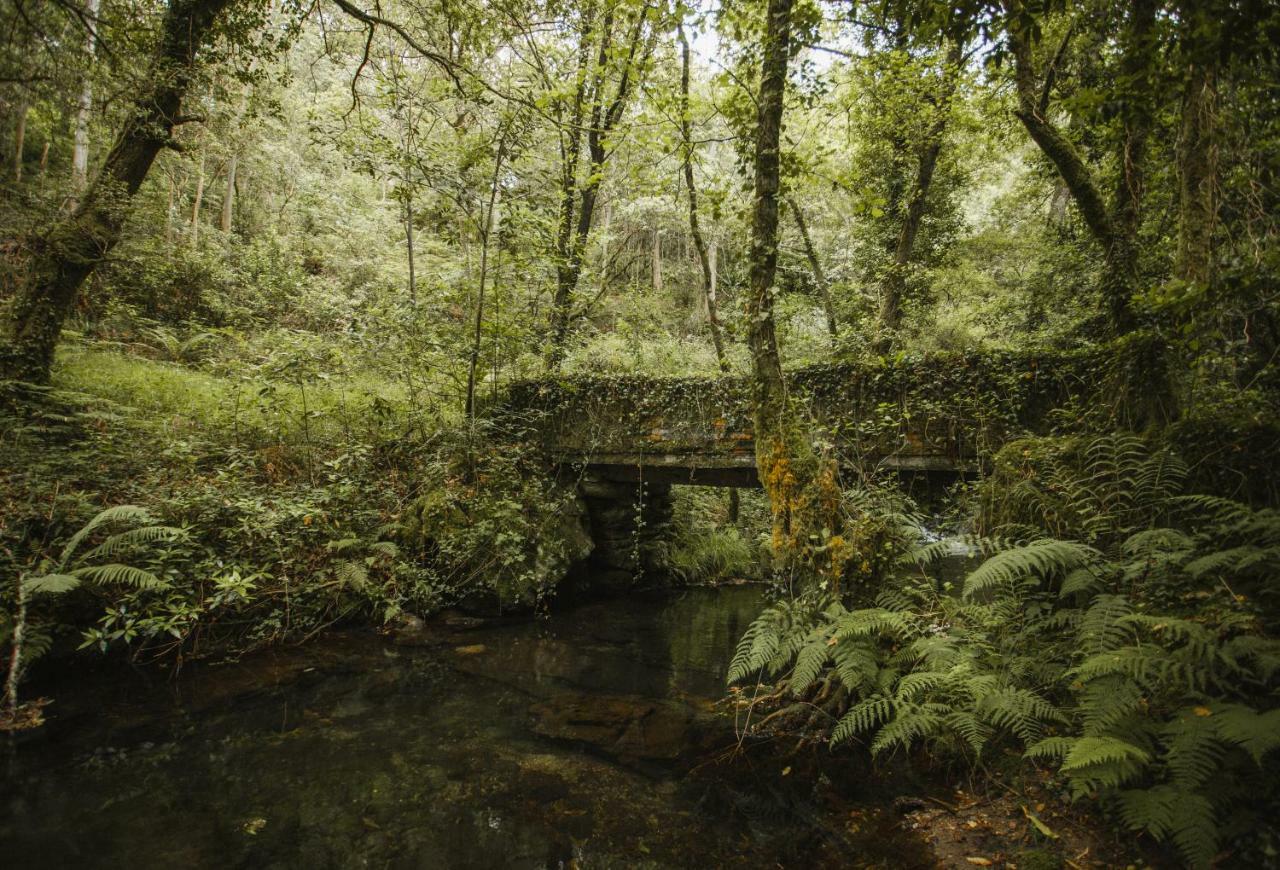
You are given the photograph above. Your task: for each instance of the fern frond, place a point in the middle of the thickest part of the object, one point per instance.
(1192, 748)
(121, 541)
(1256, 733)
(125, 513)
(1038, 559)
(871, 621)
(1052, 748)
(913, 685)
(1089, 752)
(856, 664)
(910, 722)
(385, 548)
(50, 584)
(1102, 626)
(1219, 510)
(810, 660)
(1018, 711)
(1172, 813)
(975, 732)
(352, 575)
(1149, 541)
(125, 575)
(862, 718)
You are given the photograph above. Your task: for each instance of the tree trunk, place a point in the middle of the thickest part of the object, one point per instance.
(819, 277)
(769, 392)
(572, 246)
(16, 641)
(84, 106)
(1115, 230)
(169, 213)
(20, 138)
(655, 259)
(228, 198)
(803, 491)
(194, 238)
(706, 259)
(1197, 177)
(570, 154)
(486, 234)
(77, 243)
(408, 247)
(895, 284)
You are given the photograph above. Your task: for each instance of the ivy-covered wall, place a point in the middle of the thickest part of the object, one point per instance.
(917, 411)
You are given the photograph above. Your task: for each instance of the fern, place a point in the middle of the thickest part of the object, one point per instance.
(1171, 813)
(1038, 559)
(125, 575)
(1019, 711)
(910, 722)
(811, 659)
(862, 718)
(127, 540)
(51, 584)
(125, 513)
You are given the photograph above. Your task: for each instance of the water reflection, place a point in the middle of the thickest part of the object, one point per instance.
(582, 740)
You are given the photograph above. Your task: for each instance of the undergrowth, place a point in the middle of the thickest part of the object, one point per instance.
(1115, 628)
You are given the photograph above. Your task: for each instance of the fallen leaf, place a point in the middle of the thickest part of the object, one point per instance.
(981, 862)
(253, 826)
(1202, 711)
(471, 650)
(1040, 826)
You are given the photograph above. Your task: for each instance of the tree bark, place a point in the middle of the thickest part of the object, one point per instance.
(408, 245)
(1197, 176)
(895, 284)
(655, 259)
(229, 196)
(194, 237)
(1115, 229)
(769, 391)
(84, 106)
(20, 138)
(486, 234)
(76, 244)
(604, 118)
(706, 259)
(819, 277)
(802, 486)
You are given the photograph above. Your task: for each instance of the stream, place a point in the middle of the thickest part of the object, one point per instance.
(590, 738)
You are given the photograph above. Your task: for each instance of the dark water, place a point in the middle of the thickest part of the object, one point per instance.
(589, 739)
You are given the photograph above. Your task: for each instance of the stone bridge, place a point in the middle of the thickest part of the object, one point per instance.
(932, 414)
(627, 439)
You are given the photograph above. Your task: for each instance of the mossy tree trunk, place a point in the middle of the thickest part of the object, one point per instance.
(1114, 227)
(804, 495)
(1197, 150)
(74, 247)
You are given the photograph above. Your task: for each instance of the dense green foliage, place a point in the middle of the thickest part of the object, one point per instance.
(288, 290)
(1131, 648)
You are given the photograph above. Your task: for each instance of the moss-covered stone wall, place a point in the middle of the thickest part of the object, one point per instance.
(924, 412)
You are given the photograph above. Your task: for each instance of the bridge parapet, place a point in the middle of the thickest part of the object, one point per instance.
(936, 413)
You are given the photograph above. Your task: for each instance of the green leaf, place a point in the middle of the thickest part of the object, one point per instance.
(50, 584)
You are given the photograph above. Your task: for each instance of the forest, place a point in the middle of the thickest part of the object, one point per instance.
(639, 433)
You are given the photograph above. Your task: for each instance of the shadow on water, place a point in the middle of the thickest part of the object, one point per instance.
(588, 739)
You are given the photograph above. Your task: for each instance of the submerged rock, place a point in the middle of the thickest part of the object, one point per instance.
(624, 725)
